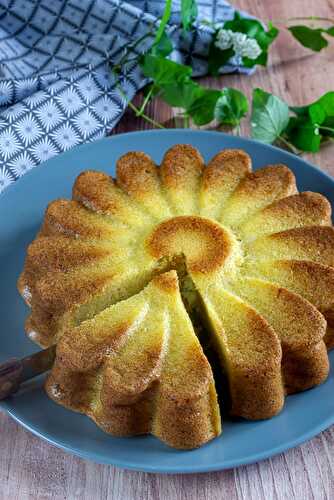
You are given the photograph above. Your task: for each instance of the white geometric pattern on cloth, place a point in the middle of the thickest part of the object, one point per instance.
(56, 86)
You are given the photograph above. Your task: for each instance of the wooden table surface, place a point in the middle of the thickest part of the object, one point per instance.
(32, 469)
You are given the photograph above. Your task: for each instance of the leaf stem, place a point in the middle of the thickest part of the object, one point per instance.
(133, 107)
(186, 121)
(145, 101)
(309, 18)
(329, 129)
(288, 145)
(164, 21)
(142, 115)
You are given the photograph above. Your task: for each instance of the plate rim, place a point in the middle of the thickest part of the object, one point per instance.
(46, 164)
(166, 469)
(190, 469)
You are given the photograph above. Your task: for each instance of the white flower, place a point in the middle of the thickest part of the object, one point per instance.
(49, 115)
(242, 45)
(239, 42)
(65, 137)
(22, 164)
(5, 179)
(43, 150)
(9, 144)
(224, 39)
(28, 129)
(252, 50)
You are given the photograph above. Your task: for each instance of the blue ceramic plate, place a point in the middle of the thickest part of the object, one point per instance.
(21, 211)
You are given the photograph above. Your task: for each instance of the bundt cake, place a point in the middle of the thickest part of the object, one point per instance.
(166, 282)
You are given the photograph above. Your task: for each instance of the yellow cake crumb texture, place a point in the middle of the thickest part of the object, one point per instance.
(171, 284)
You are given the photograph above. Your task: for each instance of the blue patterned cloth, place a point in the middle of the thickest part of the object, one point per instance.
(57, 88)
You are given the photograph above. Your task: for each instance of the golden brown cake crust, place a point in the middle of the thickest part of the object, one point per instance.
(180, 165)
(72, 219)
(226, 164)
(255, 263)
(268, 180)
(136, 173)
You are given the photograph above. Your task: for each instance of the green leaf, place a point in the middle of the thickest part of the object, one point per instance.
(181, 95)
(319, 110)
(217, 58)
(264, 39)
(303, 134)
(330, 31)
(261, 60)
(316, 113)
(243, 25)
(188, 13)
(253, 29)
(231, 107)
(270, 116)
(164, 21)
(202, 109)
(327, 103)
(299, 110)
(163, 47)
(163, 71)
(312, 38)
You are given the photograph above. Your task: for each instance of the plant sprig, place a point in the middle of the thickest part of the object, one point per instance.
(252, 30)
(223, 49)
(303, 128)
(272, 120)
(174, 84)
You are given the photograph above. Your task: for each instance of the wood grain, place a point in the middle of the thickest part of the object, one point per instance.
(33, 470)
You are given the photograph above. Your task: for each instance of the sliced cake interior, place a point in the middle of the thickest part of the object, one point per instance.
(138, 368)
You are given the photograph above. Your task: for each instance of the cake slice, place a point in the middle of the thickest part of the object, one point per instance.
(248, 349)
(220, 178)
(181, 173)
(257, 190)
(99, 192)
(311, 280)
(298, 210)
(139, 177)
(299, 326)
(313, 243)
(138, 368)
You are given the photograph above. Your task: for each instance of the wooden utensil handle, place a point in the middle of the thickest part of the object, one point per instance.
(10, 377)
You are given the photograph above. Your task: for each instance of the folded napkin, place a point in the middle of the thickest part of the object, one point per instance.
(57, 89)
